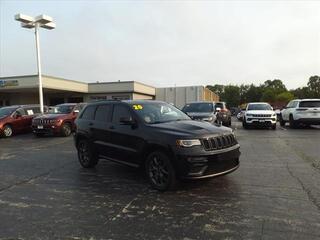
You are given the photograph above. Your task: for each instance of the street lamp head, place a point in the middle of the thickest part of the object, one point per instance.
(27, 25)
(49, 26)
(43, 19)
(23, 18)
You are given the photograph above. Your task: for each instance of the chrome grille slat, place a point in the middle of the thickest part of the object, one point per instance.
(219, 142)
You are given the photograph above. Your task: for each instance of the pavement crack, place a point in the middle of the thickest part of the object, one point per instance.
(309, 195)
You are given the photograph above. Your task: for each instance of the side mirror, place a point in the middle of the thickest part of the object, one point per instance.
(127, 121)
(218, 109)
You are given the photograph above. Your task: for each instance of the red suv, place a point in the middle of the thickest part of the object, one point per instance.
(58, 122)
(14, 119)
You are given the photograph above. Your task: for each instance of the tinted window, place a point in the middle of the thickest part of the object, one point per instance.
(21, 111)
(88, 113)
(64, 109)
(103, 113)
(259, 107)
(120, 111)
(6, 111)
(198, 107)
(310, 104)
(158, 112)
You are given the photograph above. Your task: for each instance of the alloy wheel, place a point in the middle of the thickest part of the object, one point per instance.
(158, 171)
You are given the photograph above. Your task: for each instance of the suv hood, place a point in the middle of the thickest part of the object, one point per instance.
(50, 116)
(190, 128)
(260, 112)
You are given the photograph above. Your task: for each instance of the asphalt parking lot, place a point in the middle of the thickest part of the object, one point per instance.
(275, 194)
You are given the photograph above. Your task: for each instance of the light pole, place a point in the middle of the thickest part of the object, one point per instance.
(42, 21)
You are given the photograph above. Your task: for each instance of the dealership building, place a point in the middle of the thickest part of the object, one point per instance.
(19, 90)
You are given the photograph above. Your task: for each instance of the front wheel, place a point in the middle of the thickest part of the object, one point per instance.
(160, 171)
(282, 122)
(66, 130)
(244, 124)
(7, 131)
(87, 157)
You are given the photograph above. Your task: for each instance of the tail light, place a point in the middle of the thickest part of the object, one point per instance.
(224, 110)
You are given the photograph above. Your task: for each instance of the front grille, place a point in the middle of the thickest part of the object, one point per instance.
(219, 142)
(261, 115)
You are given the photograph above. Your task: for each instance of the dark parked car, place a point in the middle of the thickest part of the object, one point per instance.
(15, 119)
(203, 111)
(157, 136)
(223, 113)
(59, 122)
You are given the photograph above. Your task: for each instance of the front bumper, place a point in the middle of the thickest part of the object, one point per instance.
(46, 129)
(309, 121)
(261, 121)
(211, 164)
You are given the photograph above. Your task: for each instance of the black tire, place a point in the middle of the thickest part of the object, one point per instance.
(160, 171)
(66, 129)
(292, 123)
(282, 122)
(244, 124)
(274, 126)
(229, 123)
(7, 131)
(87, 157)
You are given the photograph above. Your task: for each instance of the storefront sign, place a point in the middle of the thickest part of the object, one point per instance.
(8, 83)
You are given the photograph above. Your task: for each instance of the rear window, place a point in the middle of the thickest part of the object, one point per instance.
(198, 107)
(88, 113)
(310, 104)
(103, 113)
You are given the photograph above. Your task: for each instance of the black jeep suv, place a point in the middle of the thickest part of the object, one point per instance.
(156, 136)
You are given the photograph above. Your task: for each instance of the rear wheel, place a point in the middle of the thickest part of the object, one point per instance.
(87, 157)
(292, 122)
(7, 131)
(282, 122)
(160, 171)
(66, 129)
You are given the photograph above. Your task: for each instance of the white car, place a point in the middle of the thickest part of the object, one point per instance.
(301, 111)
(259, 114)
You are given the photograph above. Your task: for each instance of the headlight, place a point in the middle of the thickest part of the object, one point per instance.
(274, 114)
(188, 143)
(208, 119)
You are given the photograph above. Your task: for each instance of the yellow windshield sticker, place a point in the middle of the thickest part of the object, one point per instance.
(137, 107)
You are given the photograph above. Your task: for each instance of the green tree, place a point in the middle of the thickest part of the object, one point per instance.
(231, 95)
(217, 89)
(254, 93)
(276, 86)
(314, 86)
(301, 93)
(285, 97)
(268, 95)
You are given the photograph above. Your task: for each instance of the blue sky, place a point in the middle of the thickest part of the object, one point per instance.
(166, 43)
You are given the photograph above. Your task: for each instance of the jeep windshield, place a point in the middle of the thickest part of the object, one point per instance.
(6, 111)
(259, 107)
(63, 109)
(198, 107)
(155, 112)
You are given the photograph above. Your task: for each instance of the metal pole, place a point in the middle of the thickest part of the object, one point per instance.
(39, 67)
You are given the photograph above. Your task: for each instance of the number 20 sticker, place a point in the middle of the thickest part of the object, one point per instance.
(137, 107)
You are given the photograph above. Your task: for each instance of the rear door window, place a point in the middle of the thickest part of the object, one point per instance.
(310, 104)
(88, 113)
(103, 113)
(120, 111)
